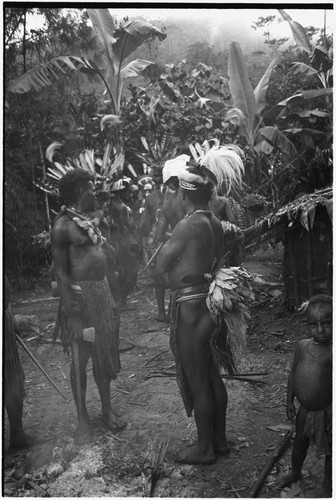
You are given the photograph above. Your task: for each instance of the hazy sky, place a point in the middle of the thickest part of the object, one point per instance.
(305, 16)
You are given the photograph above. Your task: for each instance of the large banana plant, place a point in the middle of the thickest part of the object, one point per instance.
(248, 106)
(320, 56)
(312, 127)
(118, 43)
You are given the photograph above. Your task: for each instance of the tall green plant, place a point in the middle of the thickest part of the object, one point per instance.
(118, 43)
(247, 112)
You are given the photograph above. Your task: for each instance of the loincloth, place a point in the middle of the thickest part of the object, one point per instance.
(318, 428)
(13, 372)
(100, 311)
(219, 349)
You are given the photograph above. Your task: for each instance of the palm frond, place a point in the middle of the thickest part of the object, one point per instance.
(157, 150)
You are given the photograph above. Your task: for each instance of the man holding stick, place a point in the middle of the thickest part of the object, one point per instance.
(89, 316)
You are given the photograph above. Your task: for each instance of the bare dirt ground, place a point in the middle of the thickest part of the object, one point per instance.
(146, 393)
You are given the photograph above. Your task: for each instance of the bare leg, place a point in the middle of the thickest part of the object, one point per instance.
(299, 452)
(113, 281)
(18, 438)
(111, 418)
(160, 296)
(84, 430)
(195, 327)
(219, 421)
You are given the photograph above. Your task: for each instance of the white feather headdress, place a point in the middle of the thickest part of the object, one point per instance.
(224, 162)
(174, 167)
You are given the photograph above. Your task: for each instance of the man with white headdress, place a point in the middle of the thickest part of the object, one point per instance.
(194, 249)
(168, 216)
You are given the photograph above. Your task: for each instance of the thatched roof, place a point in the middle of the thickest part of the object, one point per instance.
(303, 209)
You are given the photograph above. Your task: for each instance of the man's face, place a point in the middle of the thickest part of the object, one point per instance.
(88, 199)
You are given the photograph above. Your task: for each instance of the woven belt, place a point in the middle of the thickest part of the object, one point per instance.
(192, 292)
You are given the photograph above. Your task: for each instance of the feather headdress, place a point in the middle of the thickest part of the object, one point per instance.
(173, 168)
(223, 165)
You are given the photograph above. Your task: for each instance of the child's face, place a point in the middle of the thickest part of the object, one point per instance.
(319, 321)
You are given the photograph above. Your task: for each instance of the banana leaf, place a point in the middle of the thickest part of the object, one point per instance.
(298, 32)
(129, 37)
(299, 67)
(140, 67)
(272, 136)
(104, 26)
(261, 88)
(44, 75)
(241, 88)
(306, 95)
(306, 131)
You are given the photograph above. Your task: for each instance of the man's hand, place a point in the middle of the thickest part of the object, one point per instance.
(291, 411)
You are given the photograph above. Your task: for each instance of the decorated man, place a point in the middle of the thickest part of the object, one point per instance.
(89, 317)
(201, 338)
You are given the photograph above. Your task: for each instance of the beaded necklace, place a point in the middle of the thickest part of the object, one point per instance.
(85, 222)
(197, 210)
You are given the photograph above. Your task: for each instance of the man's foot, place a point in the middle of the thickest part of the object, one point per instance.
(193, 455)
(21, 440)
(83, 432)
(288, 479)
(113, 421)
(161, 318)
(221, 447)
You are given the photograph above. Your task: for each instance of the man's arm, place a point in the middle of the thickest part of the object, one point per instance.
(291, 412)
(161, 227)
(60, 252)
(173, 248)
(70, 306)
(228, 212)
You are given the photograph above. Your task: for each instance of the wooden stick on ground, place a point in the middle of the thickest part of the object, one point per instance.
(31, 355)
(270, 462)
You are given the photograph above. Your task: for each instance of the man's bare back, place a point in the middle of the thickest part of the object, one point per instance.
(196, 241)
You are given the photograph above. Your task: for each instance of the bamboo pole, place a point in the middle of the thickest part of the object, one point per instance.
(310, 263)
(296, 287)
(46, 199)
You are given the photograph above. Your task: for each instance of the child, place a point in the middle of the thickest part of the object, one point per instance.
(310, 381)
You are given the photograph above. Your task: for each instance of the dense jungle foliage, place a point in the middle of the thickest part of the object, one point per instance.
(190, 88)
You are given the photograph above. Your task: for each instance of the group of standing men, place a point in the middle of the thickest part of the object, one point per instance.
(84, 263)
(89, 313)
(88, 308)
